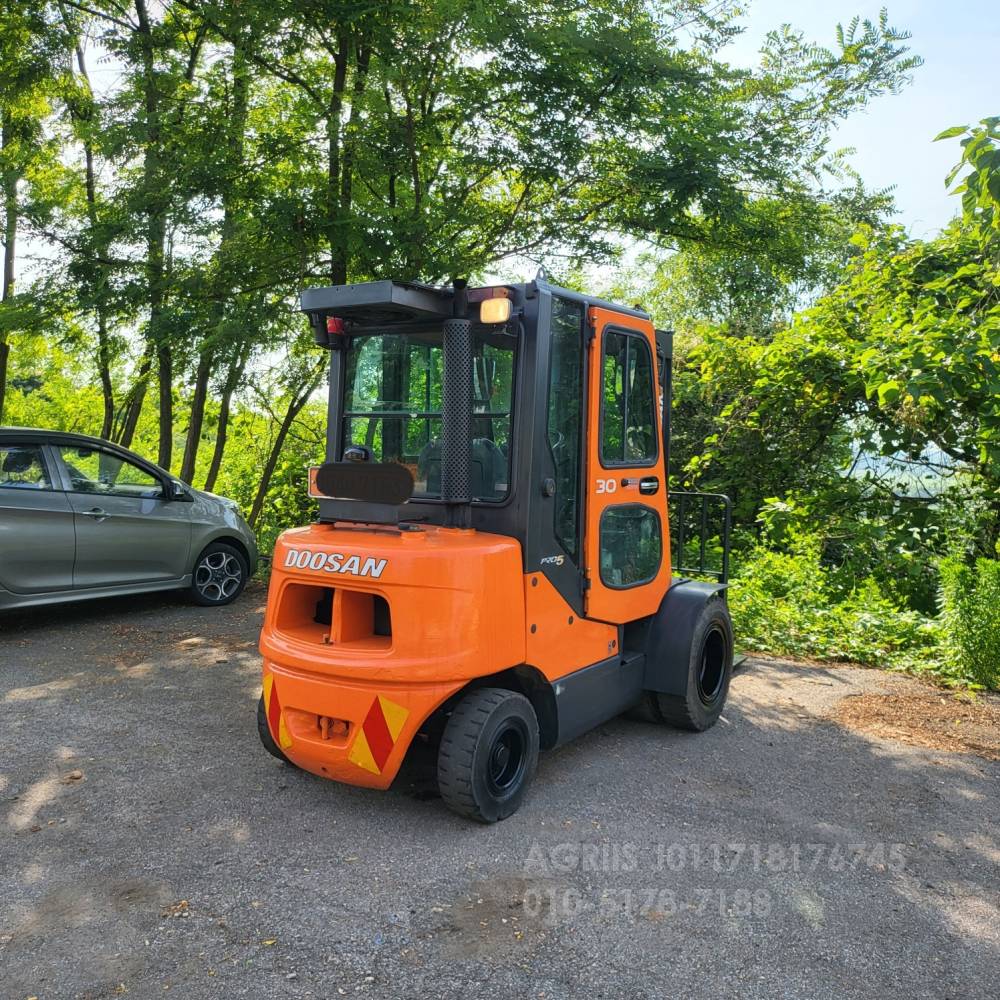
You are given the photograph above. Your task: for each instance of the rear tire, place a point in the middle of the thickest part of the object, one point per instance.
(219, 575)
(264, 731)
(710, 669)
(488, 754)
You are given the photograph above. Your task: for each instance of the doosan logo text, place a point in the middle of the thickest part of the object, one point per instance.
(334, 562)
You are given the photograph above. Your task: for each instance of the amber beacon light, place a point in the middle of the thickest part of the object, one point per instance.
(494, 311)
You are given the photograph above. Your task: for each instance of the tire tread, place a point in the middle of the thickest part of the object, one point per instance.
(456, 753)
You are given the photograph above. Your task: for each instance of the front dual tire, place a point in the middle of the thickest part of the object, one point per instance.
(706, 682)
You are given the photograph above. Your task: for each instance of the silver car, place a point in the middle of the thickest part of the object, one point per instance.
(81, 517)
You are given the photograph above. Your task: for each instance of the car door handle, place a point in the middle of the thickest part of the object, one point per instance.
(96, 513)
(649, 485)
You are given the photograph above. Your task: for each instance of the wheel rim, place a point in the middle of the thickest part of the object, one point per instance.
(218, 576)
(712, 671)
(506, 759)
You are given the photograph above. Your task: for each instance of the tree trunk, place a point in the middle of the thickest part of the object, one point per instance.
(341, 254)
(221, 434)
(104, 369)
(294, 408)
(197, 415)
(9, 241)
(136, 397)
(4, 355)
(165, 380)
(222, 431)
(337, 236)
(155, 209)
(236, 166)
(100, 247)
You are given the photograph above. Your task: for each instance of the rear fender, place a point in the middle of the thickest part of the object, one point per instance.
(526, 680)
(671, 633)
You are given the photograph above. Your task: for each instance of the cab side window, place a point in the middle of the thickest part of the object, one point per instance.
(628, 404)
(22, 468)
(92, 470)
(565, 418)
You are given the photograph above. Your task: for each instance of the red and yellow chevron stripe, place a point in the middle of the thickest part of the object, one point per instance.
(378, 734)
(275, 720)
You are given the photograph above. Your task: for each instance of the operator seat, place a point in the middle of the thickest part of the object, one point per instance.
(489, 468)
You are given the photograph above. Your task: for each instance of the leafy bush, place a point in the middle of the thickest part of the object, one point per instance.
(970, 616)
(864, 531)
(786, 602)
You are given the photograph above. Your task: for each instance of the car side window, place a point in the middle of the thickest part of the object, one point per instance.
(93, 470)
(22, 468)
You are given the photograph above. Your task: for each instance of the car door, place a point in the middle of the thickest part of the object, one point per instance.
(37, 538)
(127, 530)
(628, 564)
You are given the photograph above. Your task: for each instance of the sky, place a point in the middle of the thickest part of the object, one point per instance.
(959, 42)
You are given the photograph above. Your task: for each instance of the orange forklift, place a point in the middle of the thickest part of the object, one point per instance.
(491, 566)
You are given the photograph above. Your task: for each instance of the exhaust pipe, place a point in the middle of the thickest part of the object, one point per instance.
(456, 437)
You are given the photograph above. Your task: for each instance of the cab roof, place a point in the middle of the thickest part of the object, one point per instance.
(394, 303)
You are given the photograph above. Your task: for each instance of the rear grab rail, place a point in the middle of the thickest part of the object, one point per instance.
(704, 517)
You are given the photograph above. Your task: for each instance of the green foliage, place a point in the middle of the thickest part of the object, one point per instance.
(788, 251)
(787, 602)
(899, 362)
(970, 613)
(917, 327)
(980, 185)
(249, 149)
(752, 423)
(864, 531)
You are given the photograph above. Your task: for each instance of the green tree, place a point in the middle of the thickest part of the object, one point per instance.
(29, 42)
(254, 148)
(899, 362)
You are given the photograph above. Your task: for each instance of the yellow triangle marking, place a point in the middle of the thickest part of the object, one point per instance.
(395, 716)
(284, 739)
(268, 684)
(361, 753)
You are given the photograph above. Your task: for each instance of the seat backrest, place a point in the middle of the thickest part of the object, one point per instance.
(489, 469)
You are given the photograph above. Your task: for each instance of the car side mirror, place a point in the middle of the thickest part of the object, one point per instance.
(176, 490)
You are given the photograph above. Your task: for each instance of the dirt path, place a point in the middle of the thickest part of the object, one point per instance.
(149, 847)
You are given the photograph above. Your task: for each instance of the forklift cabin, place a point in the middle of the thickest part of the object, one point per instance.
(491, 564)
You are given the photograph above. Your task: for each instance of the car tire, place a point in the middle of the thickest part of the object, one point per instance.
(220, 573)
(710, 669)
(488, 754)
(264, 731)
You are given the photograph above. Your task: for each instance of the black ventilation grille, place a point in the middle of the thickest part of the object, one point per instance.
(456, 437)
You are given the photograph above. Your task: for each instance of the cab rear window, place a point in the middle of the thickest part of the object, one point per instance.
(393, 403)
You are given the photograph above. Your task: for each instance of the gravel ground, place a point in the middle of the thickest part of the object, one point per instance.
(149, 844)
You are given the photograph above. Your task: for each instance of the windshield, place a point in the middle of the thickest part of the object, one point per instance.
(393, 400)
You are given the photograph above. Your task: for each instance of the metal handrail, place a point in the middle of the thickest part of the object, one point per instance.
(678, 533)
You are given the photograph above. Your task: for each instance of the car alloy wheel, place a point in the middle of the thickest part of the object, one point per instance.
(218, 576)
